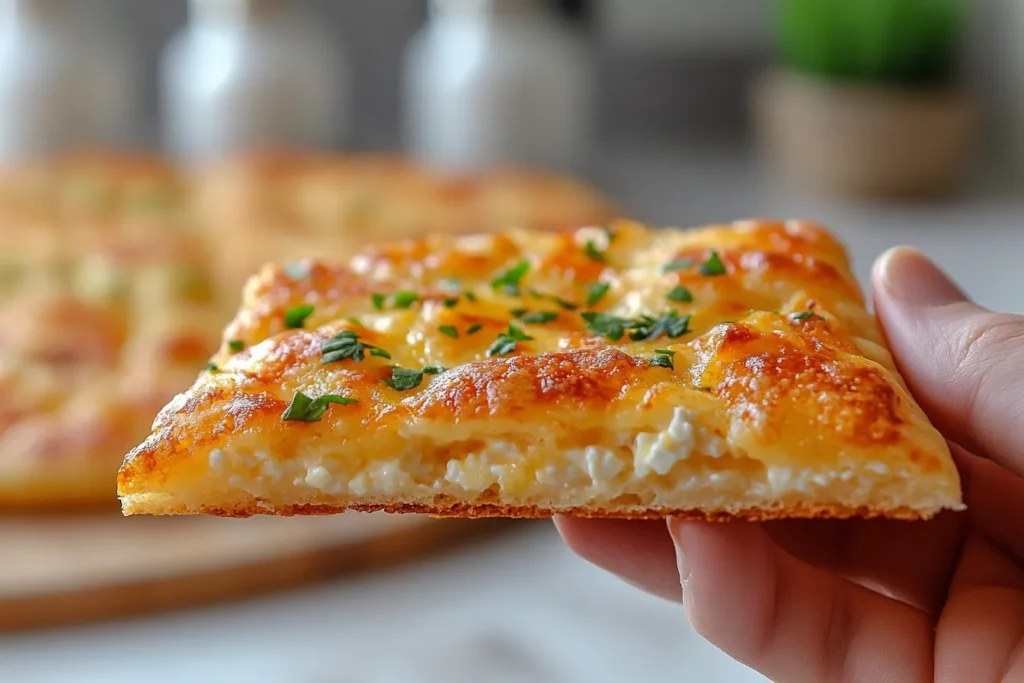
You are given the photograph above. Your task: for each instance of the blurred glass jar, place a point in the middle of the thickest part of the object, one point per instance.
(244, 75)
(64, 87)
(497, 82)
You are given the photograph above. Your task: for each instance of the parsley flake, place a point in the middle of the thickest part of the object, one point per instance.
(713, 266)
(236, 345)
(506, 341)
(474, 328)
(593, 253)
(404, 299)
(508, 282)
(449, 330)
(518, 312)
(680, 294)
(610, 326)
(596, 292)
(539, 317)
(677, 264)
(663, 359)
(567, 305)
(671, 325)
(451, 302)
(470, 296)
(403, 379)
(804, 315)
(345, 345)
(306, 409)
(211, 367)
(295, 317)
(378, 301)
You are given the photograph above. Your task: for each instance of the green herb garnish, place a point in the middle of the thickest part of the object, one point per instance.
(404, 299)
(449, 330)
(677, 264)
(713, 266)
(345, 345)
(470, 296)
(403, 379)
(596, 292)
(506, 341)
(236, 345)
(567, 305)
(211, 367)
(680, 294)
(451, 302)
(474, 328)
(539, 317)
(663, 359)
(306, 409)
(610, 326)
(671, 325)
(378, 301)
(804, 315)
(508, 282)
(593, 253)
(518, 312)
(296, 317)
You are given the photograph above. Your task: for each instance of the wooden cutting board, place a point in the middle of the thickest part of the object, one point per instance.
(64, 569)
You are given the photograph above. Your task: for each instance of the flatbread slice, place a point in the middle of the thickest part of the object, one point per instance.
(620, 371)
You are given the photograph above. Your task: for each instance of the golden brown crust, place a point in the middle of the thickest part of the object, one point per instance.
(485, 510)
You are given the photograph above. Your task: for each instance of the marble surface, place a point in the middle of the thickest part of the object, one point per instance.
(521, 607)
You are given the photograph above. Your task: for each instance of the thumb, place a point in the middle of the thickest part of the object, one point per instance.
(964, 363)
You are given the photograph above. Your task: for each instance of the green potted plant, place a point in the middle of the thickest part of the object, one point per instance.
(866, 100)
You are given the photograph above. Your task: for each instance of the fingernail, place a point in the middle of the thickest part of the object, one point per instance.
(675, 531)
(911, 279)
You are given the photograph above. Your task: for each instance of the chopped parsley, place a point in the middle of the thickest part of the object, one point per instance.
(474, 328)
(450, 302)
(400, 299)
(404, 299)
(211, 367)
(403, 379)
(345, 345)
(610, 326)
(506, 341)
(306, 409)
(641, 329)
(508, 282)
(296, 317)
(680, 294)
(539, 317)
(596, 292)
(518, 312)
(663, 359)
(567, 305)
(713, 266)
(593, 253)
(449, 330)
(671, 325)
(236, 345)
(677, 264)
(470, 296)
(804, 315)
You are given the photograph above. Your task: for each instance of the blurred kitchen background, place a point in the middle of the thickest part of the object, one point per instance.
(891, 121)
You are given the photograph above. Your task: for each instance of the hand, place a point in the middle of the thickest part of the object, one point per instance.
(872, 600)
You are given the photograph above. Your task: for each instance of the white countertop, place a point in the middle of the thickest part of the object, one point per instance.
(521, 607)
